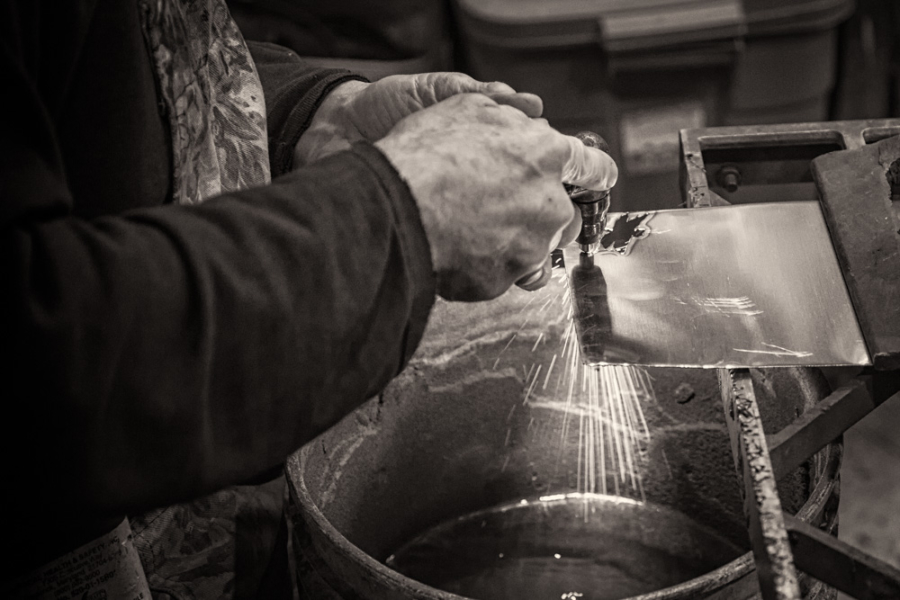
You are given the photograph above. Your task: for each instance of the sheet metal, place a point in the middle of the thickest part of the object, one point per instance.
(732, 286)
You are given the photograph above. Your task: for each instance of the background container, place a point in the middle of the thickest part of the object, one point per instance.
(374, 39)
(637, 71)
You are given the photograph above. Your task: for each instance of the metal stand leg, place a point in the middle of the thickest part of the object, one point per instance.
(762, 507)
(779, 539)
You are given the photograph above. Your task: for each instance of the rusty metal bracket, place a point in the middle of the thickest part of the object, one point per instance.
(826, 421)
(781, 541)
(762, 507)
(819, 426)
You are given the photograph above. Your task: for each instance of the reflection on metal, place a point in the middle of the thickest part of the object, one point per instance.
(750, 285)
(762, 507)
(623, 233)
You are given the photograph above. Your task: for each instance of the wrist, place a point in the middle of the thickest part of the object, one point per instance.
(331, 129)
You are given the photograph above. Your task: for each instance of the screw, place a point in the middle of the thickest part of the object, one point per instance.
(729, 177)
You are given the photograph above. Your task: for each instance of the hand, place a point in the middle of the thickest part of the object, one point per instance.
(488, 182)
(356, 111)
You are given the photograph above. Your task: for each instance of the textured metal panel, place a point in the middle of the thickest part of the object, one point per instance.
(733, 286)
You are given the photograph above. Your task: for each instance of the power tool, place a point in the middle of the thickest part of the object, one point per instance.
(594, 205)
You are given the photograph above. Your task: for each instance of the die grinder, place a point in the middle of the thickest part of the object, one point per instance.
(593, 205)
(588, 285)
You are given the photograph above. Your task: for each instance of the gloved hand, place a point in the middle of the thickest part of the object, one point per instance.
(488, 182)
(356, 111)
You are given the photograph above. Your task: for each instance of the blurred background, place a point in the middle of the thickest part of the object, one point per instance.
(637, 71)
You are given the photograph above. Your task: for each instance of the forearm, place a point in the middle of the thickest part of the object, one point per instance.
(168, 352)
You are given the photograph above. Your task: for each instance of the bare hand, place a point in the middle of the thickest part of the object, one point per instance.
(356, 111)
(488, 182)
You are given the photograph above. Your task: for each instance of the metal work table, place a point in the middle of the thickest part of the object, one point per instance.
(853, 169)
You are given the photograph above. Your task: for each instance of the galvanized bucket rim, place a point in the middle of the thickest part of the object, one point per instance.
(828, 460)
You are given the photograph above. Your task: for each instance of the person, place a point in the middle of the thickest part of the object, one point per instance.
(213, 252)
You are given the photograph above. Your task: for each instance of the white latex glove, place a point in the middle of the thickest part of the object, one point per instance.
(590, 174)
(488, 182)
(356, 111)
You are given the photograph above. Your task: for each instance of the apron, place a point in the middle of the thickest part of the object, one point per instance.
(213, 100)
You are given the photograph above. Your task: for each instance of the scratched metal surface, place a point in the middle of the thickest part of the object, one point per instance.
(735, 286)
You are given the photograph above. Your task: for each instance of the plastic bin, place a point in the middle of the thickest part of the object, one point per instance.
(637, 71)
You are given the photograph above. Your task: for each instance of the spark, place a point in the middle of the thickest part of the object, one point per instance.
(549, 370)
(604, 404)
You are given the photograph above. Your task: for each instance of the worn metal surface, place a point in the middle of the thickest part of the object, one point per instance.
(768, 537)
(735, 286)
(857, 187)
(838, 564)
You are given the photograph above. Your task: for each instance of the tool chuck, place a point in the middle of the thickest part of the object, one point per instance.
(594, 205)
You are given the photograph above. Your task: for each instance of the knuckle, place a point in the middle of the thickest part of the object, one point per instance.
(474, 102)
(557, 208)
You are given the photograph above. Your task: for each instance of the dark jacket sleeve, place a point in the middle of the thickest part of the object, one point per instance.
(293, 92)
(165, 352)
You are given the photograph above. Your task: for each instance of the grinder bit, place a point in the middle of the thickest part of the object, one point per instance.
(594, 205)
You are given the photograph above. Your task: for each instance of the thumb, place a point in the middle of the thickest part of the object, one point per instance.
(588, 167)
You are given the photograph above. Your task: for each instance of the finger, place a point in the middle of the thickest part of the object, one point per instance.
(444, 85)
(589, 167)
(571, 230)
(497, 87)
(484, 110)
(538, 278)
(529, 104)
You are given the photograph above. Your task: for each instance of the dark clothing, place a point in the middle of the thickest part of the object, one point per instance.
(157, 353)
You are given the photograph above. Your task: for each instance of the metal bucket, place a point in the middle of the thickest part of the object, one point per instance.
(452, 435)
